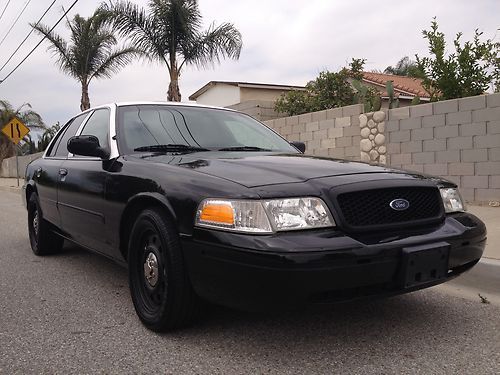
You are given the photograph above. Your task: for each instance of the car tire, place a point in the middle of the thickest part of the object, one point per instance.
(159, 285)
(42, 239)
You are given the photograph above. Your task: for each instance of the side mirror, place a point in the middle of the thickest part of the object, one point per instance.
(301, 146)
(86, 145)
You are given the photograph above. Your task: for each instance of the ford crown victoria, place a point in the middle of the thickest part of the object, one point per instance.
(209, 204)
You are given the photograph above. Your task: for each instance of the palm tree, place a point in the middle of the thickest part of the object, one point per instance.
(92, 51)
(170, 32)
(24, 113)
(405, 67)
(31, 147)
(47, 136)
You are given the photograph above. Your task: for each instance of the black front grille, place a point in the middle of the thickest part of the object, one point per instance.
(371, 207)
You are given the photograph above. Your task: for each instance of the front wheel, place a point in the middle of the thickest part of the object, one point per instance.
(42, 239)
(160, 288)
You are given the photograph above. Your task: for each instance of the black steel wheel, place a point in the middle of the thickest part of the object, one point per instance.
(161, 292)
(42, 239)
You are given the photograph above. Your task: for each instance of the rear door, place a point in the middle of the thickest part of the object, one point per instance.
(46, 176)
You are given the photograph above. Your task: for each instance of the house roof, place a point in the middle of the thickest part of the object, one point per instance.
(406, 85)
(254, 85)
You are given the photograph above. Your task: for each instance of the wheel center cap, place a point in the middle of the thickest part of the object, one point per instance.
(151, 269)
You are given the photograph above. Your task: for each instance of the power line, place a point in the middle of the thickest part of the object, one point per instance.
(4, 9)
(27, 36)
(15, 21)
(38, 44)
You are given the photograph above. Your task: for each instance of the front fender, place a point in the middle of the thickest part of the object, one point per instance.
(145, 196)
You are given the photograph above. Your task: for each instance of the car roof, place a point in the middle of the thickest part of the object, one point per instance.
(186, 104)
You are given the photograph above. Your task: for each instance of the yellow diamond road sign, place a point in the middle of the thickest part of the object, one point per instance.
(15, 130)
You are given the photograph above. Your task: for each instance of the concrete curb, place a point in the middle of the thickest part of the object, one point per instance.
(484, 277)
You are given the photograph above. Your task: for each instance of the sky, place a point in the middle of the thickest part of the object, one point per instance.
(284, 42)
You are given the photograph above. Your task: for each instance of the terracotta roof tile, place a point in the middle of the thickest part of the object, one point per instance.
(410, 86)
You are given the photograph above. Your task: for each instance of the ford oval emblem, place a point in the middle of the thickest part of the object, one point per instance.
(399, 204)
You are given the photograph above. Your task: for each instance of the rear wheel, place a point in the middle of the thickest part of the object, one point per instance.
(161, 291)
(42, 239)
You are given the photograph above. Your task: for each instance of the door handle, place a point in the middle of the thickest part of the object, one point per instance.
(63, 172)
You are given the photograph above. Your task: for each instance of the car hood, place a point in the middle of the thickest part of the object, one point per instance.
(252, 170)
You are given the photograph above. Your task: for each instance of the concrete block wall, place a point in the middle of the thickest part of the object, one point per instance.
(458, 139)
(334, 132)
(8, 167)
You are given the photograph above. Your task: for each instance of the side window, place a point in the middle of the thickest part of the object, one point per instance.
(62, 147)
(98, 125)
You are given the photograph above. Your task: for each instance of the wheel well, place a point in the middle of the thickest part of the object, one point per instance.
(130, 214)
(29, 190)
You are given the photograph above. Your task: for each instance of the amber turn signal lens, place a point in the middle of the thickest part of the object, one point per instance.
(221, 213)
(236, 215)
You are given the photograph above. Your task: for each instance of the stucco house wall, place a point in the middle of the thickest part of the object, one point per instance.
(255, 99)
(220, 95)
(247, 94)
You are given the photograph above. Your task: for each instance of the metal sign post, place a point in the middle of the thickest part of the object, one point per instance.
(17, 164)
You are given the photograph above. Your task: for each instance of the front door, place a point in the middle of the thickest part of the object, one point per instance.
(82, 188)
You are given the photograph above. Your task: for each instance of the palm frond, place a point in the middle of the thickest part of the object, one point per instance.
(29, 117)
(223, 41)
(5, 106)
(114, 62)
(132, 22)
(59, 48)
(177, 21)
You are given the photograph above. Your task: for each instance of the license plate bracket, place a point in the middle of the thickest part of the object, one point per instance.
(424, 264)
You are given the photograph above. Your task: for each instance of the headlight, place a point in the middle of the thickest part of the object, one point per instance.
(452, 200)
(299, 213)
(265, 216)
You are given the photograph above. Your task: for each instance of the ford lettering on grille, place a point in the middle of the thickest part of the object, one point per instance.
(399, 204)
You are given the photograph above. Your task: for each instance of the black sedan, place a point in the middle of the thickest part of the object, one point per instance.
(209, 204)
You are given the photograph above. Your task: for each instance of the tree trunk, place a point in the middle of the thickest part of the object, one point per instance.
(85, 102)
(174, 94)
(7, 148)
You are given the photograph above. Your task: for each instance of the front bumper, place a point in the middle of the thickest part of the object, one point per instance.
(260, 272)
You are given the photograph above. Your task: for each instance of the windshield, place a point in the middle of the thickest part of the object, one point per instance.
(142, 126)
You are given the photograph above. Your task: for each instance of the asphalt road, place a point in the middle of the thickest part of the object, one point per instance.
(72, 313)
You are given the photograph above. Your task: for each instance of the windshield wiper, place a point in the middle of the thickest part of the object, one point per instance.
(244, 148)
(170, 148)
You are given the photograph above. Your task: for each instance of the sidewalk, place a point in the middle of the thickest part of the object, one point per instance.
(10, 184)
(485, 276)
(491, 217)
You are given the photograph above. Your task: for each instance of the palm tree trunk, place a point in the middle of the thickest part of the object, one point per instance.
(174, 94)
(85, 101)
(6, 148)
